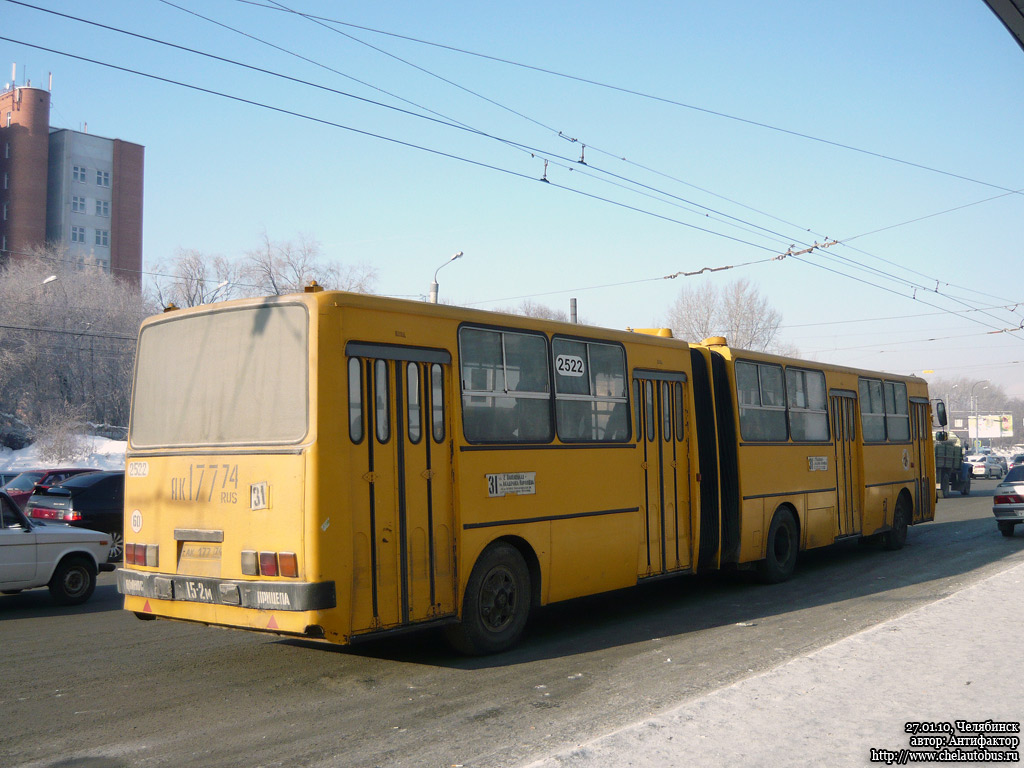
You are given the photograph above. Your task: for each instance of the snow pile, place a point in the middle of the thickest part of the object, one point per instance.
(97, 453)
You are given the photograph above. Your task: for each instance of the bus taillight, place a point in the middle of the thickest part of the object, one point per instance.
(270, 563)
(289, 564)
(142, 554)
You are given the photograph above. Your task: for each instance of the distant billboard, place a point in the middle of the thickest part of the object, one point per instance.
(990, 426)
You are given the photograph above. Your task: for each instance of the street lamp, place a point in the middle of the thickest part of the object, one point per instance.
(213, 295)
(433, 285)
(974, 408)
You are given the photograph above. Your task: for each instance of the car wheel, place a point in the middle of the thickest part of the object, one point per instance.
(780, 557)
(896, 536)
(496, 605)
(1006, 528)
(116, 552)
(73, 582)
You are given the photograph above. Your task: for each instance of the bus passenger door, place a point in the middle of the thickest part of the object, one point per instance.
(403, 535)
(924, 493)
(843, 406)
(660, 409)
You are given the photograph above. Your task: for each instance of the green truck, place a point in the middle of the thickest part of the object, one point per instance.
(951, 472)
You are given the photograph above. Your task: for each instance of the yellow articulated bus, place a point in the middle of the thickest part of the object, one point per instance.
(340, 466)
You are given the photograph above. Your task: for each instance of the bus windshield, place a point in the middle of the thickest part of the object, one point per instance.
(234, 377)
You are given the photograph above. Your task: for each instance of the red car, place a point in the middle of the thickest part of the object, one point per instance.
(21, 487)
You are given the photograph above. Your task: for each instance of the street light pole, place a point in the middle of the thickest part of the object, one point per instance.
(974, 409)
(433, 285)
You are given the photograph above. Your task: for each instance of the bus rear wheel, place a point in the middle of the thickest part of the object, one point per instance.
(496, 605)
(896, 536)
(780, 557)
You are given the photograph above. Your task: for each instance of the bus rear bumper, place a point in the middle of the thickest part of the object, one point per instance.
(260, 595)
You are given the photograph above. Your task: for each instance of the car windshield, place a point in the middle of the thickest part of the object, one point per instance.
(1015, 475)
(25, 481)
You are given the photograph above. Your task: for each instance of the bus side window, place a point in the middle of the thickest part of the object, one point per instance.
(412, 371)
(638, 409)
(355, 400)
(437, 402)
(380, 388)
(678, 395)
(649, 412)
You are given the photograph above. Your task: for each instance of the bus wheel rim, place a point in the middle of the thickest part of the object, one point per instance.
(498, 599)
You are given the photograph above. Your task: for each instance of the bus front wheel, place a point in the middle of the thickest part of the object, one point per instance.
(496, 604)
(780, 556)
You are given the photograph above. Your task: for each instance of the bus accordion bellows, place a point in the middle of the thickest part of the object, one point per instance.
(341, 466)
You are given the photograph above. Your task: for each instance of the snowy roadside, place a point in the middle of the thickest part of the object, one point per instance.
(96, 453)
(857, 702)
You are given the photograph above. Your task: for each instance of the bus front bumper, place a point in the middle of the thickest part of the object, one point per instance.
(261, 595)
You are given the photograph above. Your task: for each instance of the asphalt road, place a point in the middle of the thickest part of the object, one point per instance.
(92, 686)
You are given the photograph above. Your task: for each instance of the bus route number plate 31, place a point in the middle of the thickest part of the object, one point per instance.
(511, 484)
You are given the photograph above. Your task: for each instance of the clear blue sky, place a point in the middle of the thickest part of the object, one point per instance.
(935, 88)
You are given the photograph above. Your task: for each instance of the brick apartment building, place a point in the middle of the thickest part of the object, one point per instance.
(67, 188)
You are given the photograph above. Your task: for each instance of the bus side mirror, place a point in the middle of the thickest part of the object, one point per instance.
(940, 413)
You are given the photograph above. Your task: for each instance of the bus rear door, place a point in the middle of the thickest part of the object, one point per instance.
(661, 415)
(403, 534)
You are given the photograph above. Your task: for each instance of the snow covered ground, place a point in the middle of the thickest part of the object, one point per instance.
(97, 453)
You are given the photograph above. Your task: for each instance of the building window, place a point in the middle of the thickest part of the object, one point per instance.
(103, 237)
(77, 204)
(78, 234)
(5, 180)
(78, 173)
(5, 211)
(102, 178)
(103, 208)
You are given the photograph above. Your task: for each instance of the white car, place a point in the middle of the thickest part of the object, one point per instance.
(35, 554)
(985, 465)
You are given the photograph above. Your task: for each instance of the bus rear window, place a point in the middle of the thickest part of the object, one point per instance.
(231, 377)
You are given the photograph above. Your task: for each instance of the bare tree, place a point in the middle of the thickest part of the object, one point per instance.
(533, 309)
(68, 341)
(277, 267)
(191, 278)
(737, 311)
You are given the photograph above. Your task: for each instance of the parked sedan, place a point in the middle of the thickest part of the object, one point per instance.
(34, 554)
(94, 500)
(985, 465)
(1008, 505)
(21, 487)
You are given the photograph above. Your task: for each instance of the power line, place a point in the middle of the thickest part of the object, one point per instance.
(733, 220)
(641, 94)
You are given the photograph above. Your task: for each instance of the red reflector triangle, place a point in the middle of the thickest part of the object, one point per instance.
(272, 624)
(146, 608)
